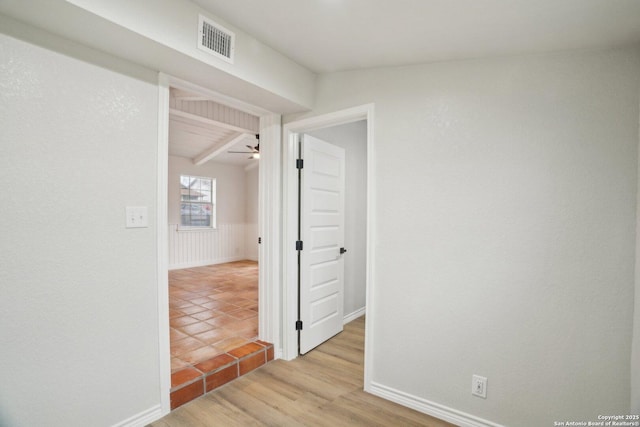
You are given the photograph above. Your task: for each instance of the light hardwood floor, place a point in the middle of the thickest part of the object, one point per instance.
(322, 388)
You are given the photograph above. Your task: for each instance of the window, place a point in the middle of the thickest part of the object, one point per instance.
(197, 201)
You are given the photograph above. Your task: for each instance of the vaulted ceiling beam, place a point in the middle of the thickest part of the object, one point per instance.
(183, 95)
(216, 149)
(194, 117)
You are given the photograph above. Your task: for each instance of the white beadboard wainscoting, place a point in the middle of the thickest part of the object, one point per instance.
(194, 248)
(251, 242)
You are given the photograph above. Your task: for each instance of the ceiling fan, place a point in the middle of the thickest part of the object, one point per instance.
(255, 150)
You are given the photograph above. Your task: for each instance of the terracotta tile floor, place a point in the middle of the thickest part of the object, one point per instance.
(212, 310)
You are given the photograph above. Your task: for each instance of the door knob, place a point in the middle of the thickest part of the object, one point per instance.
(342, 250)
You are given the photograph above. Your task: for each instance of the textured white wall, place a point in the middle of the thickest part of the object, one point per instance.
(78, 312)
(353, 138)
(251, 214)
(506, 203)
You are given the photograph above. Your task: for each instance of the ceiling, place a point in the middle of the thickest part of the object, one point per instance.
(202, 130)
(336, 35)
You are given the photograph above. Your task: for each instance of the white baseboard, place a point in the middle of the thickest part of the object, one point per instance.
(353, 316)
(425, 406)
(208, 262)
(143, 418)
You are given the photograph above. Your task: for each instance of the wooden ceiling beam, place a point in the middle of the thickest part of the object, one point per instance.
(219, 148)
(194, 117)
(187, 96)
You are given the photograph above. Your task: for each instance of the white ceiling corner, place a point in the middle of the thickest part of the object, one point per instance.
(336, 35)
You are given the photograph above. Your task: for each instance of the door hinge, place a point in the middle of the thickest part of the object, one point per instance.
(299, 163)
(299, 245)
(298, 325)
(259, 240)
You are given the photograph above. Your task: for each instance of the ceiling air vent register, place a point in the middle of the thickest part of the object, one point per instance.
(215, 39)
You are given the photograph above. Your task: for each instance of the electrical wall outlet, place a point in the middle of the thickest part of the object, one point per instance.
(479, 386)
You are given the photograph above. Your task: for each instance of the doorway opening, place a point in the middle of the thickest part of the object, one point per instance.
(213, 228)
(357, 119)
(211, 272)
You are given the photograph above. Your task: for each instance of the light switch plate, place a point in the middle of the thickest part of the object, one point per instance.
(137, 217)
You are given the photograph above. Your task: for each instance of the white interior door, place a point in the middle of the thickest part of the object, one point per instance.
(322, 234)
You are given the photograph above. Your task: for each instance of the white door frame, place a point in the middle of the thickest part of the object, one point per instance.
(290, 221)
(269, 222)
